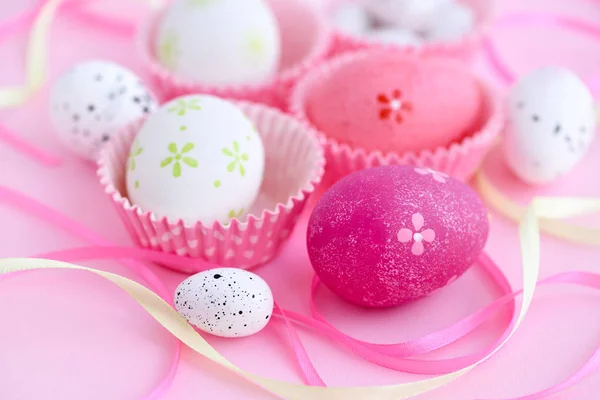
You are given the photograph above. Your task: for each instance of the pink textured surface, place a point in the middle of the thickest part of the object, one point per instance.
(115, 351)
(387, 235)
(410, 104)
(459, 159)
(293, 168)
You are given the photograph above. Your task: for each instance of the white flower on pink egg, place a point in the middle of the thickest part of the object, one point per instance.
(438, 176)
(406, 235)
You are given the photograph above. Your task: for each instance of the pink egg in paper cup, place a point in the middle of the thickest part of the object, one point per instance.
(294, 166)
(306, 41)
(372, 102)
(463, 48)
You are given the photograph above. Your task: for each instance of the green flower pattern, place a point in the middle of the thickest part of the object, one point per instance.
(177, 157)
(238, 158)
(168, 50)
(136, 151)
(235, 214)
(182, 106)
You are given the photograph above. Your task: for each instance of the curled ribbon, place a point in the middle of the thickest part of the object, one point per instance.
(164, 314)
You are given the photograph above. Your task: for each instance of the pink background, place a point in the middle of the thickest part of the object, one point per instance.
(67, 335)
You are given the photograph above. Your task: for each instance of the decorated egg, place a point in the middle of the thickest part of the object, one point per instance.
(384, 236)
(551, 124)
(219, 42)
(351, 18)
(451, 21)
(92, 101)
(395, 36)
(227, 302)
(197, 158)
(408, 14)
(411, 104)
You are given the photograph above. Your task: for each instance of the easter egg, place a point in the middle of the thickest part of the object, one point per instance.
(395, 36)
(411, 104)
(387, 235)
(351, 18)
(197, 158)
(408, 14)
(219, 42)
(92, 101)
(451, 21)
(225, 302)
(551, 124)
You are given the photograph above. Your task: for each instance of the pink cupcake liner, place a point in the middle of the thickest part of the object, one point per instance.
(306, 40)
(460, 160)
(463, 49)
(294, 166)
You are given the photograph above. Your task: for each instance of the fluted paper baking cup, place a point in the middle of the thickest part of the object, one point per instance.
(294, 165)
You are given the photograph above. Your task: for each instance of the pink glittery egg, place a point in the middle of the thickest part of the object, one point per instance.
(384, 236)
(395, 102)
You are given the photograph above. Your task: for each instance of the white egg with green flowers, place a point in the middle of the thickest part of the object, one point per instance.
(551, 124)
(219, 42)
(197, 158)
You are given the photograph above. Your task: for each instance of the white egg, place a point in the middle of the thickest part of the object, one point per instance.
(220, 42)
(198, 158)
(92, 101)
(351, 18)
(408, 14)
(225, 302)
(450, 22)
(551, 124)
(396, 36)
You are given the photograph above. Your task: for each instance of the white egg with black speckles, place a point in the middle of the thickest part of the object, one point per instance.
(226, 302)
(197, 158)
(92, 101)
(551, 124)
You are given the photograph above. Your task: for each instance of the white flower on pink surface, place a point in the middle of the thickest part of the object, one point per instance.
(418, 236)
(438, 176)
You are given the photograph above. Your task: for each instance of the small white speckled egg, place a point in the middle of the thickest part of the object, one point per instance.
(551, 124)
(225, 302)
(407, 14)
(395, 36)
(219, 42)
(92, 101)
(451, 21)
(197, 158)
(351, 18)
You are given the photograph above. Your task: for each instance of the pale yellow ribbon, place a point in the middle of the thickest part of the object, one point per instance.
(509, 209)
(36, 69)
(545, 208)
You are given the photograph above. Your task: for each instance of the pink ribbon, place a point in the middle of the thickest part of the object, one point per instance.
(395, 356)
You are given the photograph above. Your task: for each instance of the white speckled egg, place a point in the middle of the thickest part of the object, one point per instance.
(451, 21)
(351, 18)
(408, 14)
(225, 302)
(92, 101)
(219, 42)
(395, 36)
(197, 158)
(551, 124)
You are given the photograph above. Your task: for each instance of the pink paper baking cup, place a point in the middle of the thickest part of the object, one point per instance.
(460, 159)
(463, 49)
(306, 40)
(294, 166)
